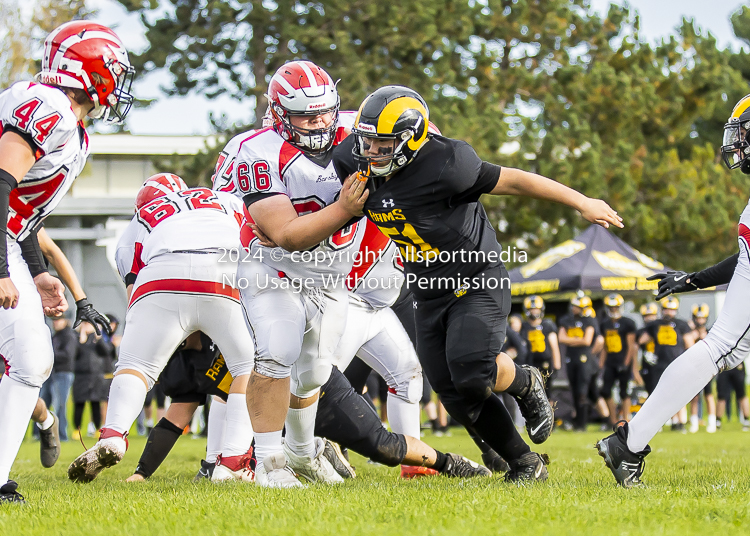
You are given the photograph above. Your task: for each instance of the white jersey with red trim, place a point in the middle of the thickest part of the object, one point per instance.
(222, 177)
(378, 272)
(43, 115)
(268, 165)
(197, 219)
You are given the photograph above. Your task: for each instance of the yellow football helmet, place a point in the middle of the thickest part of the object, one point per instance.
(670, 302)
(613, 300)
(533, 302)
(735, 149)
(589, 312)
(580, 300)
(700, 310)
(648, 309)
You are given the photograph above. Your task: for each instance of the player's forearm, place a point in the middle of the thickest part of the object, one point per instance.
(307, 231)
(60, 262)
(717, 274)
(514, 181)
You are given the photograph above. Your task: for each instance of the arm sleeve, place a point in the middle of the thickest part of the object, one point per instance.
(718, 274)
(32, 254)
(7, 184)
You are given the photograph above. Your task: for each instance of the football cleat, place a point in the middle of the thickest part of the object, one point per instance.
(274, 472)
(461, 467)
(536, 409)
(49, 443)
(315, 469)
(531, 467)
(338, 461)
(234, 468)
(205, 472)
(626, 466)
(416, 471)
(107, 452)
(494, 462)
(8, 493)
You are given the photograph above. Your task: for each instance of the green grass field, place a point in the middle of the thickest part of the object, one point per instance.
(696, 484)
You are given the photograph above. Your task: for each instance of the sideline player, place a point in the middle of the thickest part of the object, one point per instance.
(43, 148)
(296, 306)
(541, 334)
(700, 330)
(724, 348)
(649, 312)
(577, 332)
(175, 262)
(620, 350)
(423, 193)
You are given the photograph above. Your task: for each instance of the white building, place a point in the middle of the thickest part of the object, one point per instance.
(89, 220)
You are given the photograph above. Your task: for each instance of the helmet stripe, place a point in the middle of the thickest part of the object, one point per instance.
(283, 83)
(741, 107)
(309, 73)
(393, 110)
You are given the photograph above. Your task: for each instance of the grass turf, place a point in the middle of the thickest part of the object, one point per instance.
(696, 484)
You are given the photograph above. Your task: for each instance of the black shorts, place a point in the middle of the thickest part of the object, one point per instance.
(346, 418)
(619, 374)
(458, 339)
(651, 377)
(731, 380)
(193, 379)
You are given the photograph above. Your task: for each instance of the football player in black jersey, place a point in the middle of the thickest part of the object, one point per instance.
(649, 313)
(671, 336)
(540, 335)
(424, 192)
(620, 350)
(700, 330)
(577, 332)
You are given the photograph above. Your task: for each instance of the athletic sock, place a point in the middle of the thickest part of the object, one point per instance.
(47, 423)
(681, 381)
(403, 416)
(267, 443)
(160, 441)
(216, 428)
(300, 430)
(521, 383)
(496, 427)
(17, 401)
(694, 420)
(126, 396)
(238, 433)
(441, 460)
(711, 421)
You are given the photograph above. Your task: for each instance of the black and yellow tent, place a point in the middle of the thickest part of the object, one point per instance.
(595, 261)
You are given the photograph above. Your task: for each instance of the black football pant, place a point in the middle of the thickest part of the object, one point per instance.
(616, 373)
(458, 340)
(580, 376)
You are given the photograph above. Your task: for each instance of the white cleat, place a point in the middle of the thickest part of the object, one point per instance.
(105, 453)
(316, 469)
(693, 427)
(233, 468)
(711, 428)
(274, 472)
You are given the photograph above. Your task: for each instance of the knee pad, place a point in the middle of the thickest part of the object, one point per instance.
(32, 372)
(306, 382)
(410, 390)
(474, 389)
(278, 349)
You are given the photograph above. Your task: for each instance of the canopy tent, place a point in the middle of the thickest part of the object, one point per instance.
(595, 261)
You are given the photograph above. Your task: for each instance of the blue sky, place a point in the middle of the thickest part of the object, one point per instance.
(189, 115)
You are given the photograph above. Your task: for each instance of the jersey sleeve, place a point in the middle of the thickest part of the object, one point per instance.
(549, 326)
(466, 176)
(343, 159)
(221, 181)
(628, 325)
(259, 166)
(128, 252)
(40, 114)
(682, 326)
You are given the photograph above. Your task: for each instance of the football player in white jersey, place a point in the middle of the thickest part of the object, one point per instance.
(174, 259)
(294, 296)
(726, 345)
(43, 147)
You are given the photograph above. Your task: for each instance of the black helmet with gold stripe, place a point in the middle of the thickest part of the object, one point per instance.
(533, 307)
(390, 127)
(735, 149)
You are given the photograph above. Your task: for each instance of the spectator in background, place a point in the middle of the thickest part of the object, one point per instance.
(56, 389)
(89, 375)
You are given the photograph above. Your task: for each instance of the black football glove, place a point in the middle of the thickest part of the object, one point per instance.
(673, 283)
(85, 311)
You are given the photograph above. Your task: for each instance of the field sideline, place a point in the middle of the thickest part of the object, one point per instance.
(696, 484)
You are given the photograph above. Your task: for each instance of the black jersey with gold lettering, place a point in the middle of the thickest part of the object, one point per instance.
(616, 333)
(537, 337)
(431, 209)
(667, 334)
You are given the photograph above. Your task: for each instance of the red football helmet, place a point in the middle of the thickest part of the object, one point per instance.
(85, 55)
(157, 186)
(303, 88)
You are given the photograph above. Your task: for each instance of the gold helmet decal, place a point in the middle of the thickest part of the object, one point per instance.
(613, 300)
(648, 309)
(700, 310)
(670, 302)
(580, 301)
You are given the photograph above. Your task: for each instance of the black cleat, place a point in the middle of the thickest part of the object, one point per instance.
(339, 461)
(536, 409)
(8, 493)
(531, 467)
(461, 467)
(627, 467)
(205, 472)
(49, 444)
(494, 462)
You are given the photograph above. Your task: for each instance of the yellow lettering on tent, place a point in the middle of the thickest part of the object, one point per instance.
(551, 257)
(535, 287)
